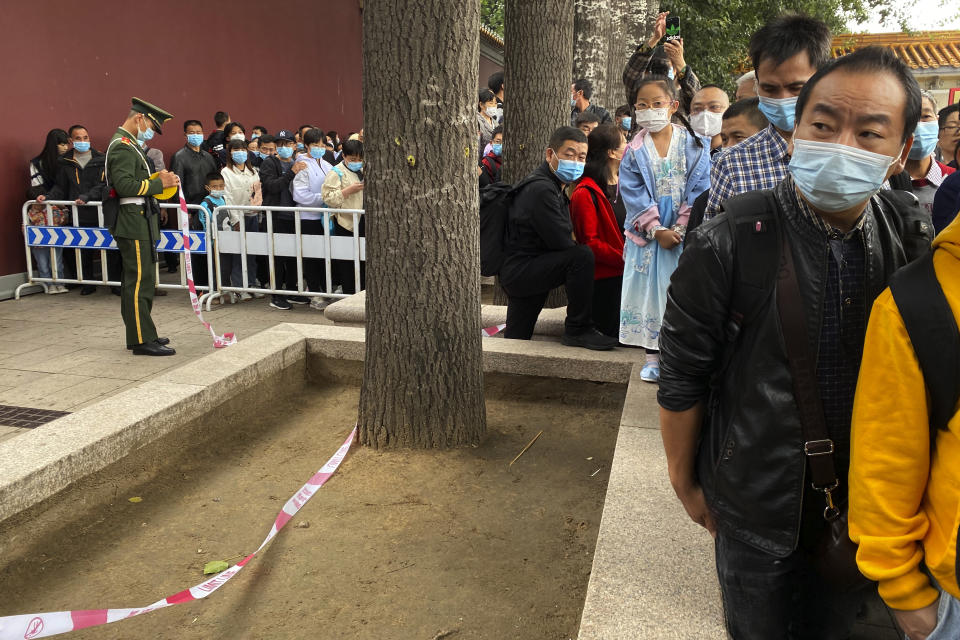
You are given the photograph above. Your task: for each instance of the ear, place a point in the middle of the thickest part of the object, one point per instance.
(901, 162)
(674, 106)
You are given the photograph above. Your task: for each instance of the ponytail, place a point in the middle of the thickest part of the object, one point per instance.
(686, 123)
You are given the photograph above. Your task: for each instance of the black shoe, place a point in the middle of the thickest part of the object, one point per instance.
(87, 289)
(279, 302)
(152, 349)
(172, 268)
(591, 339)
(115, 290)
(160, 341)
(298, 300)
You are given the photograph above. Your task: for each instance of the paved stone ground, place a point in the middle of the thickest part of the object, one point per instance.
(64, 352)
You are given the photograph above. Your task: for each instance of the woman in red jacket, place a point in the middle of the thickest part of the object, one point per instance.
(598, 214)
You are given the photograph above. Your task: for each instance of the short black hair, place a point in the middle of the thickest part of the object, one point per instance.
(584, 85)
(304, 126)
(231, 125)
(659, 66)
(259, 127)
(74, 128)
(484, 95)
(873, 60)
(587, 116)
(266, 139)
(314, 136)
(563, 134)
(352, 148)
(944, 113)
(622, 110)
(787, 35)
(191, 123)
(749, 108)
(495, 82)
(221, 118)
(213, 175)
(496, 130)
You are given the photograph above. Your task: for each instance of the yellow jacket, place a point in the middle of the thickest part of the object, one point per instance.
(904, 507)
(332, 191)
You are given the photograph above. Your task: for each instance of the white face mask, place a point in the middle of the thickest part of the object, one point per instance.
(707, 123)
(492, 112)
(653, 119)
(237, 136)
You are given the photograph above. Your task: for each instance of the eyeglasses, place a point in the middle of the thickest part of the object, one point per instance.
(951, 128)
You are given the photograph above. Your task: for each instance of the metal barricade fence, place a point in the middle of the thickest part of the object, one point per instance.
(240, 243)
(89, 238)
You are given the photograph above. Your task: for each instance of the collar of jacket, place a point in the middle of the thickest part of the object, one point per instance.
(68, 156)
(547, 172)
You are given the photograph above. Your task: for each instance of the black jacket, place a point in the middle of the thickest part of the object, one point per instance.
(539, 218)
(275, 178)
(750, 461)
(193, 167)
(73, 181)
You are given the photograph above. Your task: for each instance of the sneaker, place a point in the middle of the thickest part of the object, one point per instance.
(245, 296)
(650, 372)
(298, 300)
(257, 294)
(54, 289)
(591, 339)
(280, 303)
(319, 303)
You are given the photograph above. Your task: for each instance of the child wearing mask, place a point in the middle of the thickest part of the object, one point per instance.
(214, 186)
(492, 161)
(665, 168)
(343, 189)
(242, 186)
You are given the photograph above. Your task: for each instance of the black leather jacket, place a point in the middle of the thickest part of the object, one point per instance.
(750, 461)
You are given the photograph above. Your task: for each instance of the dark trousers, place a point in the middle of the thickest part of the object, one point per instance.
(314, 269)
(767, 597)
(285, 267)
(342, 270)
(528, 280)
(138, 283)
(606, 305)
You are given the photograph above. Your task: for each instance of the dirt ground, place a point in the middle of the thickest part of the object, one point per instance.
(419, 545)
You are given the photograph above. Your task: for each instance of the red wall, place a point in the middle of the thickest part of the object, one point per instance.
(279, 64)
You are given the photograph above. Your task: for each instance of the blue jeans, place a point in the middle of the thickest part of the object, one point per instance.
(948, 619)
(42, 257)
(251, 224)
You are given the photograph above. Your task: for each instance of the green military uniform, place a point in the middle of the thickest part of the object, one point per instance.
(136, 227)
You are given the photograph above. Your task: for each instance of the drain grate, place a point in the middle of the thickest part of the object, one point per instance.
(27, 417)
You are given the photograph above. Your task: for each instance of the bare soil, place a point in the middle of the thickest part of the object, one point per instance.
(411, 544)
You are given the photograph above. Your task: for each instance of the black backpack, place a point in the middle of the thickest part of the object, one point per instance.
(495, 201)
(753, 218)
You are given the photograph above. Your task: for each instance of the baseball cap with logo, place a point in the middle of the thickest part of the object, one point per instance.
(284, 134)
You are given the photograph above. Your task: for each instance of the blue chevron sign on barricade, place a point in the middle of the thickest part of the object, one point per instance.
(100, 238)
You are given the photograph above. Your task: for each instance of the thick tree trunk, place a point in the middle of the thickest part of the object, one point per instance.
(538, 63)
(632, 20)
(422, 376)
(591, 40)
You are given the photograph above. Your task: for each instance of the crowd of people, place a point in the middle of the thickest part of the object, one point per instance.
(308, 167)
(728, 241)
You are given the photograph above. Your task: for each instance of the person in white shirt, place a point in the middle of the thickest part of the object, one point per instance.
(242, 185)
(307, 189)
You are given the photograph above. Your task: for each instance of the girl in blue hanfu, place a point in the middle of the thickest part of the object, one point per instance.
(665, 167)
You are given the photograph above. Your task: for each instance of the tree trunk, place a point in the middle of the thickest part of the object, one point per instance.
(632, 21)
(591, 39)
(422, 375)
(538, 61)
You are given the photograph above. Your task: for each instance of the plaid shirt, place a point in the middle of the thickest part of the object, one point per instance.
(759, 162)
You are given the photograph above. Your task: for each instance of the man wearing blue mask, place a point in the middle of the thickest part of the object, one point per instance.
(540, 252)
(276, 174)
(192, 164)
(580, 93)
(761, 346)
(785, 53)
(924, 174)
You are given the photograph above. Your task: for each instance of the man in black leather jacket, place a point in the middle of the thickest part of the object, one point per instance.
(730, 423)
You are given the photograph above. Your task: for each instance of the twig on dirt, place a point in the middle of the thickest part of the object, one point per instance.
(406, 566)
(596, 472)
(529, 444)
(445, 634)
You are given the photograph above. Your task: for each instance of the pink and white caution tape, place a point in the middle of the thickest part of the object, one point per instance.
(42, 625)
(226, 339)
(489, 332)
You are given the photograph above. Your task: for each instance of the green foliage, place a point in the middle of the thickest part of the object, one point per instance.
(716, 33)
(491, 15)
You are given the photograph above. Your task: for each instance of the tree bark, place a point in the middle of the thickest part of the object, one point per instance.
(632, 21)
(592, 29)
(422, 376)
(538, 61)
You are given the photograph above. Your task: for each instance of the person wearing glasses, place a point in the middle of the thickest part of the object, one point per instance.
(949, 121)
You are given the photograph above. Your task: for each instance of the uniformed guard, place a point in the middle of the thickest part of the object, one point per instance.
(131, 214)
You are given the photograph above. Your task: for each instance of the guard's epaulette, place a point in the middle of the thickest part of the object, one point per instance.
(125, 140)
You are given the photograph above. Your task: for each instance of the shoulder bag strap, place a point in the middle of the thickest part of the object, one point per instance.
(817, 446)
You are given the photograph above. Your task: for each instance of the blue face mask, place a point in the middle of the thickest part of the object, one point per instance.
(671, 73)
(626, 122)
(924, 140)
(300, 146)
(285, 153)
(254, 136)
(497, 148)
(317, 152)
(834, 177)
(238, 157)
(573, 102)
(780, 112)
(569, 170)
(218, 193)
(355, 166)
(194, 139)
(144, 136)
(82, 147)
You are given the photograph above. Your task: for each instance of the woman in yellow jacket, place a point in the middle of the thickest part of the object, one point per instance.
(343, 189)
(905, 504)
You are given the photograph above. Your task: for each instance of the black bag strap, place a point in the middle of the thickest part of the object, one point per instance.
(817, 446)
(934, 335)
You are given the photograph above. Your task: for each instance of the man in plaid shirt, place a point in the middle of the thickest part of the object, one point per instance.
(786, 52)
